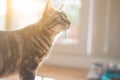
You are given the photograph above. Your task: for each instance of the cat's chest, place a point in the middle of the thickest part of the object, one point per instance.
(35, 58)
(35, 54)
(44, 55)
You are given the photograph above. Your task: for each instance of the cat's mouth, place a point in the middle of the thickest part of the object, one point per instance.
(67, 26)
(63, 26)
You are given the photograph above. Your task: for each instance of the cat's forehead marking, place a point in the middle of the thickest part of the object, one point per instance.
(63, 14)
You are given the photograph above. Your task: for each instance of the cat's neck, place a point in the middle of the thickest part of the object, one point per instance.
(44, 36)
(41, 27)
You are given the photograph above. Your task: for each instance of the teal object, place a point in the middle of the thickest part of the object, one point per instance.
(109, 74)
(105, 78)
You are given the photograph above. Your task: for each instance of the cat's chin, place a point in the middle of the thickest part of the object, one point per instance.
(66, 27)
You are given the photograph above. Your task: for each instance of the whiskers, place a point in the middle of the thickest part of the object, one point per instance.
(67, 35)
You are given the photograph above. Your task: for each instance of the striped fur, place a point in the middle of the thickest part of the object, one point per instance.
(21, 51)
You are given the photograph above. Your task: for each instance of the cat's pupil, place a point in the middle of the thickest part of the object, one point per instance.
(62, 21)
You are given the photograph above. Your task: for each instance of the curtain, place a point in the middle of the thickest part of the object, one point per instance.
(100, 28)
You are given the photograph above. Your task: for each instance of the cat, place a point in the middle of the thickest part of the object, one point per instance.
(21, 51)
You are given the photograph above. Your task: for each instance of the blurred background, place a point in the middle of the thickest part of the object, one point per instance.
(90, 49)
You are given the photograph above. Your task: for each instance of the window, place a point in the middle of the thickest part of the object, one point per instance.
(72, 8)
(2, 14)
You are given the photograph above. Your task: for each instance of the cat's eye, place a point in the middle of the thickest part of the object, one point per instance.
(62, 21)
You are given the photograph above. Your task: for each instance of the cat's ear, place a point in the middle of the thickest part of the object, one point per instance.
(49, 7)
(61, 7)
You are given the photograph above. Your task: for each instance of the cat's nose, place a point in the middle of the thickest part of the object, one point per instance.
(69, 22)
(68, 25)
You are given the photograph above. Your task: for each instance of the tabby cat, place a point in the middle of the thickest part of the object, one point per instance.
(21, 51)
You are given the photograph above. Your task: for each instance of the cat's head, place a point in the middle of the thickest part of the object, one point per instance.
(55, 19)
